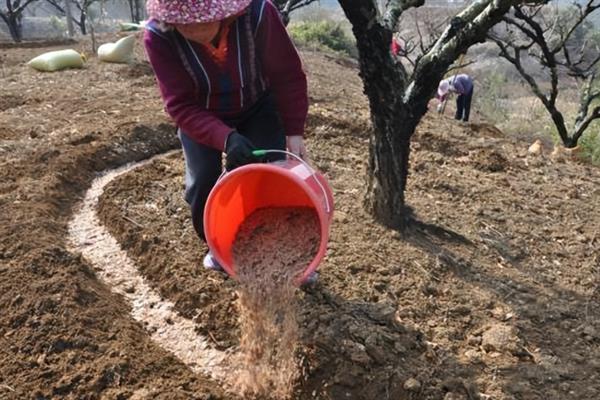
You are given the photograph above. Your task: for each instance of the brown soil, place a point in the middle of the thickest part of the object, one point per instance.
(492, 293)
(35, 44)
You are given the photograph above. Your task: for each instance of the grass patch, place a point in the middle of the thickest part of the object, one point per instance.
(324, 35)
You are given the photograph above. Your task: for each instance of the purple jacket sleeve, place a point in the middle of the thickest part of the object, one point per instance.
(179, 94)
(282, 68)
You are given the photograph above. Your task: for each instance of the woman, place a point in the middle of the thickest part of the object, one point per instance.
(232, 81)
(461, 84)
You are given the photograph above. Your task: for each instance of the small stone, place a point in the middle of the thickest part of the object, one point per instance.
(429, 290)
(517, 388)
(473, 356)
(412, 385)
(499, 313)
(455, 396)
(461, 311)
(474, 340)
(564, 386)
(357, 352)
(41, 360)
(399, 348)
(590, 332)
(581, 238)
(500, 338)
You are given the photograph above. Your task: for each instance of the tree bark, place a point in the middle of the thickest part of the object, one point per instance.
(82, 23)
(15, 27)
(69, 15)
(388, 170)
(384, 84)
(131, 10)
(138, 11)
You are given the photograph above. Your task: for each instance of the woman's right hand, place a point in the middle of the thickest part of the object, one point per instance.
(238, 151)
(295, 145)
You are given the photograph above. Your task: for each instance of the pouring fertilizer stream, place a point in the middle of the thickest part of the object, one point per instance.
(233, 82)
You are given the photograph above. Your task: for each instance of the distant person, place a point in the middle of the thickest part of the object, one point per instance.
(397, 47)
(462, 85)
(232, 81)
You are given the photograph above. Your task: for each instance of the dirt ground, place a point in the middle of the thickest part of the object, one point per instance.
(493, 293)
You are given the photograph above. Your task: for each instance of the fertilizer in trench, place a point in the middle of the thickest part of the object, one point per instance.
(272, 248)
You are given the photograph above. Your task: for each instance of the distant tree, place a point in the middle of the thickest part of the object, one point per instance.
(12, 15)
(82, 6)
(555, 40)
(421, 27)
(136, 9)
(287, 6)
(398, 97)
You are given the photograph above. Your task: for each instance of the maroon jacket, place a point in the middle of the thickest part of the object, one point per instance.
(200, 93)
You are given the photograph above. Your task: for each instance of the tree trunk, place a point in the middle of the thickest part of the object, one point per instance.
(392, 118)
(131, 11)
(561, 128)
(139, 11)
(388, 170)
(82, 25)
(393, 125)
(69, 15)
(15, 27)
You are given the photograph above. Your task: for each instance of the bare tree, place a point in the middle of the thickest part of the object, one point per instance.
(287, 6)
(136, 9)
(421, 27)
(82, 6)
(551, 39)
(12, 15)
(398, 97)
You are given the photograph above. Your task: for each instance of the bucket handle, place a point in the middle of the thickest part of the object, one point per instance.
(262, 152)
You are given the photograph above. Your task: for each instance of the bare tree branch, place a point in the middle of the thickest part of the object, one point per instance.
(590, 7)
(13, 15)
(551, 44)
(287, 6)
(395, 8)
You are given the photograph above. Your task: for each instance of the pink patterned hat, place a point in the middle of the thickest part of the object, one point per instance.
(190, 11)
(443, 88)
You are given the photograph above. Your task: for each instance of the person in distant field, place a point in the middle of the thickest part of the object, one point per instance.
(397, 47)
(462, 85)
(232, 81)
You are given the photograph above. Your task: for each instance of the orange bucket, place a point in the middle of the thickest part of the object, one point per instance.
(237, 194)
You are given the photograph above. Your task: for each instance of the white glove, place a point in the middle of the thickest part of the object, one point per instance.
(440, 107)
(295, 144)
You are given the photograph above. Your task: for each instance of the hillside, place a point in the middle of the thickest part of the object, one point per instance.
(492, 293)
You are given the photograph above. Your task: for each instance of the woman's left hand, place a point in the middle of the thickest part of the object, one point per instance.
(295, 144)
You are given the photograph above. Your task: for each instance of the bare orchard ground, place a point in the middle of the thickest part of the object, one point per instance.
(494, 291)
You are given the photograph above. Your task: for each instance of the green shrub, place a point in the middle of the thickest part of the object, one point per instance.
(58, 24)
(491, 97)
(324, 35)
(590, 144)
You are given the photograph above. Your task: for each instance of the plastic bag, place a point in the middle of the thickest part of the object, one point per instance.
(129, 27)
(132, 27)
(57, 60)
(119, 52)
